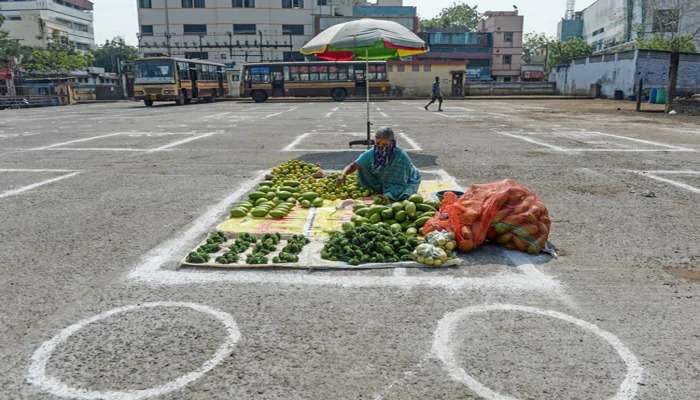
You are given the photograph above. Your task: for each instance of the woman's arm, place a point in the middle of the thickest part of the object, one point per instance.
(350, 169)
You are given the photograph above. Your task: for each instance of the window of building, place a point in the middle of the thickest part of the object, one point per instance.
(415, 68)
(293, 29)
(508, 37)
(427, 68)
(145, 4)
(191, 29)
(244, 29)
(598, 31)
(243, 3)
(14, 17)
(193, 4)
(400, 68)
(146, 30)
(507, 59)
(292, 3)
(196, 54)
(507, 79)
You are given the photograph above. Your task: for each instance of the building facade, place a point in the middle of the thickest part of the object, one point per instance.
(611, 23)
(473, 49)
(238, 31)
(36, 22)
(506, 28)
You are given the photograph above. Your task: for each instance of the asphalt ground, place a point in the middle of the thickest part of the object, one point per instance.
(99, 202)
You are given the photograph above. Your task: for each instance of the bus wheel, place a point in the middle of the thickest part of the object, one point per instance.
(148, 102)
(181, 98)
(259, 96)
(339, 94)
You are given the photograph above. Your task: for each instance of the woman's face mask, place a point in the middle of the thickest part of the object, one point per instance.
(383, 144)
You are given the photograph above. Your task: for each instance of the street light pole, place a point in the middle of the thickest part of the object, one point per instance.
(167, 28)
(230, 44)
(261, 46)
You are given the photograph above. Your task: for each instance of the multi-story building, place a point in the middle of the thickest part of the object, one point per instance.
(506, 28)
(613, 23)
(36, 22)
(236, 31)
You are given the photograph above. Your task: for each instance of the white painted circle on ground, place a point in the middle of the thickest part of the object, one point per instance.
(37, 370)
(443, 352)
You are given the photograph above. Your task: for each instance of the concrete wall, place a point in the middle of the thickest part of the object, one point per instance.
(612, 73)
(510, 89)
(687, 106)
(605, 22)
(419, 83)
(623, 70)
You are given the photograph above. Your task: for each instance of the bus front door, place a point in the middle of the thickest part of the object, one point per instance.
(195, 77)
(277, 84)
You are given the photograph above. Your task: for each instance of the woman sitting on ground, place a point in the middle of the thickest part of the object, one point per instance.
(385, 169)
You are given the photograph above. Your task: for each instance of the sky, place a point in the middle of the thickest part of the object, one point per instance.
(118, 17)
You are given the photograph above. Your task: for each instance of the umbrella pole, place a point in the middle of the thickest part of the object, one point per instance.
(369, 124)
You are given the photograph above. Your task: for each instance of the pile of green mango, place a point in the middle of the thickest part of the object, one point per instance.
(275, 202)
(408, 216)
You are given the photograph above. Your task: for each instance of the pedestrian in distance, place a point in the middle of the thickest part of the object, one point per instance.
(436, 95)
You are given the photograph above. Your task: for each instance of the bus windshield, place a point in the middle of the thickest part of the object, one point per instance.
(154, 71)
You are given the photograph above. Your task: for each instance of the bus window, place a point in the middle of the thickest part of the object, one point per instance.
(372, 72)
(314, 74)
(260, 74)
(332, 73)
(286, 73)
(183, 69)
(360, 74)
(294, 73)
(351, 72)
(381, 72)
(323, 73)
(304, 73)
(343, 72)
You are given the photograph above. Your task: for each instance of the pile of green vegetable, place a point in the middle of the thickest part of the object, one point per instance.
(213, 245)
(407, 216)
(369, 244)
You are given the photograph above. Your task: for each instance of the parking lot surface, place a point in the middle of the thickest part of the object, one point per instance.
(99, 202)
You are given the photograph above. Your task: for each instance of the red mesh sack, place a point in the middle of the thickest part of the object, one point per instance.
(503, 212)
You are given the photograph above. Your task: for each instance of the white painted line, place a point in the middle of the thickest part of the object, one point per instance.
(460, 108)
(115, 149)
(183, 141)
(414, 146)
(537, 142)
(649, 142)
(385, 115)
(34, 170)
(668, 172)
(27, 188)
(444, 175)
(443, 338)
(672, 182)
(335, 109)
(157, 257)
(279, 113)
(296, 141)
(79, 140)
(38, 376)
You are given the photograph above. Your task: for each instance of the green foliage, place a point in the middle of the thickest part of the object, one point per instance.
(683, 43)
(564, 52)
(459, 15)
(59, 56)
(112, 52)
(535, 46)
(8, 46)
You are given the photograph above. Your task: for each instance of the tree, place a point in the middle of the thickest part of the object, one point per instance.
(110, 54)
(535, 46)
(59, 56)
(458, 15)
(665, 31)
(564, 52)
(8, 47)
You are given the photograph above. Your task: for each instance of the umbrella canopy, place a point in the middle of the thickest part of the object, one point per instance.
(365, 39)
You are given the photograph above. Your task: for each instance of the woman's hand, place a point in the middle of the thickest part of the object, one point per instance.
(340, 181)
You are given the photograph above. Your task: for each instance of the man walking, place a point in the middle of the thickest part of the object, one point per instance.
(437, 95)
